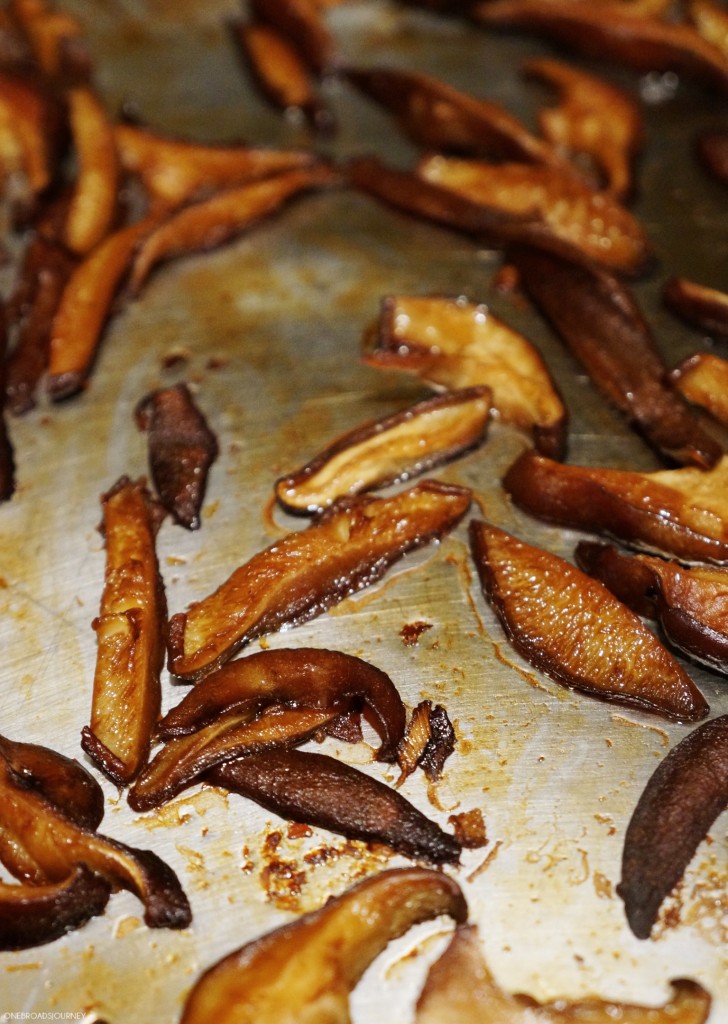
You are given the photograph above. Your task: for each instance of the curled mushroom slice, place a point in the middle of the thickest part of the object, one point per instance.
(699, 305)
(303, 24)
(32, 131)
(177, 170)
(690, 603)
(428, 741)
(131, 636)
(395, 448)
(436, 115)
(301, 676)
(594, 118)
(282, 76)
(460, 987)
(599, 321)
(31, 915)
(547, 206)
(571, 627)
(608, 31)
(316, 789)
(703, 379)
(62, 780)
(453, 343)
(94, 204)
(53, 846)
(184, 759)
(677, 512)
(85, 306)
(680, 802)
(349, 546)
(182, 449)
(306, 969)
(208, 223)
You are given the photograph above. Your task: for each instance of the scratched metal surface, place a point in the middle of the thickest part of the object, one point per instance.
(269, 328)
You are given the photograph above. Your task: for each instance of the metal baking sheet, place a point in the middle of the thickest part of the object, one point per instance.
(268, 331)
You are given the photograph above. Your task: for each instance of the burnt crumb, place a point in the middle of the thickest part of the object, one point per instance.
(411, 632)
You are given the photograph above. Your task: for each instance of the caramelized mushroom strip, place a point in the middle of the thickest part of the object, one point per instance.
(703, 379)
(131, 636)
(208, 223)
(600, 323)
(607, 31)
(299, 676)
(691, 604)
(398, 447)
(306, 969)
(94, 205)
(7, 454)
(702, 307)
(676, 512)
(315, 789)
(302, 23)
(56, 846)
(679, 804)
(56, 40)
(712, 150)
(711, 21)
(571, 627)
(435, 115)
(546, 207)
(594, 118)
(348, 547)
(182, 449)
(452, 343)
(184, 759)
(460, 987)
(31, 915)
(50, 266)
(279, 71)
(32, 131)
(175, 171)
(85, 307)
(428, 742)
(63, 781)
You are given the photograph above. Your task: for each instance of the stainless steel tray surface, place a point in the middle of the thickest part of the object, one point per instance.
(269, 330)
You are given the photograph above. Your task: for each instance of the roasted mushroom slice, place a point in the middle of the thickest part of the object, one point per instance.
(453, 343)
(209, 223)
(32, 132)
(175, 171)
(702, 307)
(680, 802)
(316, 789)
(302, 23)
(85, 306)
(594, 119)
(571, 627)
(281, 74)
(677, 512)
(131, 636)
(7, 452)
(460, 987)
(691, 604)
(546, 206)
(349, 546)
(437, 116)
(610, 32)
(600, 323)
(53, 846)
(305, 970)
(703, 379)
(711, 21)
(398, 447)
(31, 915)
(94, 205)
(428, 741)
(184, 759)
(299, 676)
(182, 449)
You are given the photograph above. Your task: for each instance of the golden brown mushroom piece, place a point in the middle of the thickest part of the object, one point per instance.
(349, 546)
(678, 512)
(680, 802)
(460, 987)
(698, 304)
(303, 973)
(571, 627)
